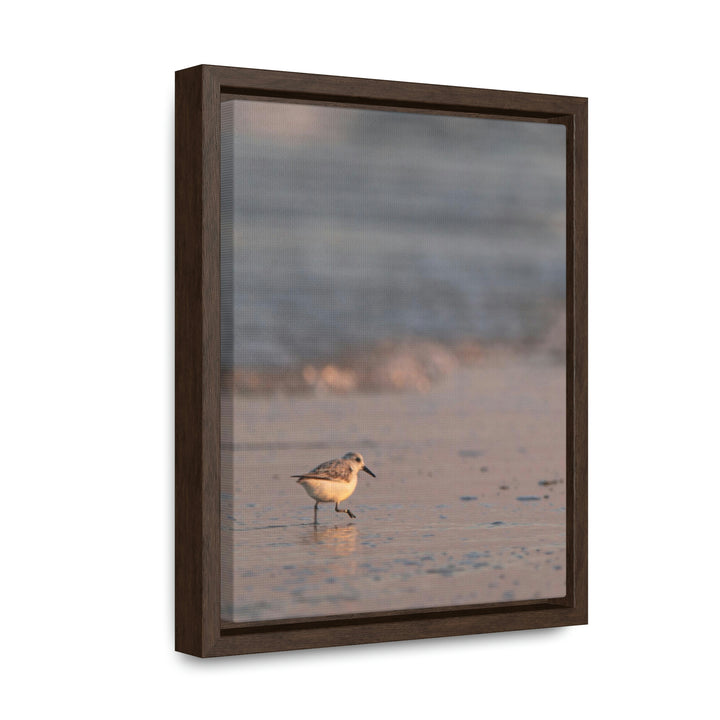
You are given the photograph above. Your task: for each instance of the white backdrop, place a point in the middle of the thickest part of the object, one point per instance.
(86, 283)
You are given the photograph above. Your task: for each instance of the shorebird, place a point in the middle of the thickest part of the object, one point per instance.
(334, 480)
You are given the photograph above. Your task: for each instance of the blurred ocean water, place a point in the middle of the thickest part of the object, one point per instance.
(351, 228)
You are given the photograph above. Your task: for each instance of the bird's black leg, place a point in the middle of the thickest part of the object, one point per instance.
(337, 509)
(315, 513)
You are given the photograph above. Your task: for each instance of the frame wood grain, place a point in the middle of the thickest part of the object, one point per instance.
(198, 627)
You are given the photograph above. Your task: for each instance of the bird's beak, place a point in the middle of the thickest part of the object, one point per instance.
(368, 470)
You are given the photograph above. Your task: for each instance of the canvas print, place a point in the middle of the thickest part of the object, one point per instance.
(393, 361)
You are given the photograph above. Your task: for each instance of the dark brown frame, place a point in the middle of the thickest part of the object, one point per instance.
(198, 628)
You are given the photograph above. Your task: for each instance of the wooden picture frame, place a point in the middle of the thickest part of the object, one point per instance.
(199, 629)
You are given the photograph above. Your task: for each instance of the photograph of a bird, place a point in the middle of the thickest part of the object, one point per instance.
(334, 481)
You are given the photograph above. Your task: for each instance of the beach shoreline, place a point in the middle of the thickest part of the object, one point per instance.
(468, 506)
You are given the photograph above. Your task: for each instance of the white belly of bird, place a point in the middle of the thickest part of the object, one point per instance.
(329, 491)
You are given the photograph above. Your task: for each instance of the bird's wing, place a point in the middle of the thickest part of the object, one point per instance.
(332, 470)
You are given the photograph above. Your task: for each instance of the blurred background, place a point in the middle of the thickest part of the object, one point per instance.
(374, 249)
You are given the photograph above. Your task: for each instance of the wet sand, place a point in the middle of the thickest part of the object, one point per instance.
(468, 505)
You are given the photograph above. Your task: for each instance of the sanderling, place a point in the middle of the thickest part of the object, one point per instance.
(334, 480)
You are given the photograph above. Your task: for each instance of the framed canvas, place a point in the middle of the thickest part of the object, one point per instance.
(381, 361)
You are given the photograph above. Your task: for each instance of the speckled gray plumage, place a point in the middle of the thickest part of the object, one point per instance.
(338, 470)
